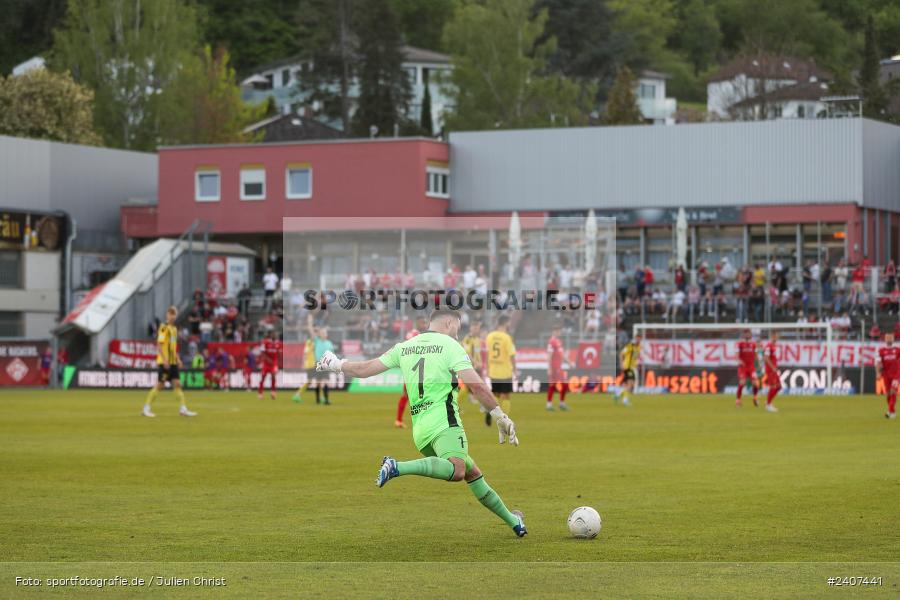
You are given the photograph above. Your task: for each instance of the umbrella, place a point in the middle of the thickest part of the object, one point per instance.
(590, 241)
(681, 229)
(515, 240)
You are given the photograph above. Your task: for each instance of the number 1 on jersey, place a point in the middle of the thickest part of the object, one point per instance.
(420, 367)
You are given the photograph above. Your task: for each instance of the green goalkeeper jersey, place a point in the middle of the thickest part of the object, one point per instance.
(429, 363)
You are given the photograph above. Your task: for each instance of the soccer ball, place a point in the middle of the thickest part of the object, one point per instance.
(584, 522)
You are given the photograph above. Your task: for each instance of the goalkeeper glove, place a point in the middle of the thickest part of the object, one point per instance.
(506, 427)
(330, 363)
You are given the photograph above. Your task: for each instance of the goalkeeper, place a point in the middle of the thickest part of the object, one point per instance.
(431, 364)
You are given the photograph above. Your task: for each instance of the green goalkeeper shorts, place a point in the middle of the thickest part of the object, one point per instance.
(450, 443)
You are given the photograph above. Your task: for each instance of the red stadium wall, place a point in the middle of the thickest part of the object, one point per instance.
(365, 178)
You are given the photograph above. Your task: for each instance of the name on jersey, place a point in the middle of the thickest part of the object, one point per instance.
(416, 409)
(431, 349)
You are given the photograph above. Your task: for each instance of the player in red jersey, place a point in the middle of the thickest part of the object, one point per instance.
(747, 367)
(556, 376)
(421, 325)
(773, 379)
(271, 350)
(888, 367)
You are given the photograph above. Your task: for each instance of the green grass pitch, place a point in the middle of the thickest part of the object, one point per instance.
(698, 498)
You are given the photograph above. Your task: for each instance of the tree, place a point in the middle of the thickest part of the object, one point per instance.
(203, 105)
(48, 106)
(698, 33)
(330, 52)
(384, 87)
(423, 23)
(426, 122)
(587, 42)
(26, 29)
(796, 28)
(499, 77)
(621, 105)
(127, 51)
(254, 32)
(875, 100)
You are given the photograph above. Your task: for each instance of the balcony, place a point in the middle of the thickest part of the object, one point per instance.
(658, 110)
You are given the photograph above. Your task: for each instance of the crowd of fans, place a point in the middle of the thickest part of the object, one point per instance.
(839, 293)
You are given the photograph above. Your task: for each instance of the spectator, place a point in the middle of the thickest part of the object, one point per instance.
(840, 275)
(286, 284)
(680, 279)
(694, 298)
(270, 284)
(676, 304)
(702, 275)
(890, 276)
(469, 276)
(243, 297)
(825, 278)
(639, 282)
(622, 282)
(741, 300)
(728, 273)
(759, 276)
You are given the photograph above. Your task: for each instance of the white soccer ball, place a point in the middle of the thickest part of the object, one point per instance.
(584, 522)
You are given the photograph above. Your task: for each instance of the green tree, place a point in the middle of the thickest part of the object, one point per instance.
(127, 51)
(875, 99)
(426, 122)
(799, 28)
(48, 106)
(326, 27)
(621, 105)
(587, 43)
(203, 105)
(650, 24)
(698, 34)
(26, 29)
(423, 23)
(499, 77)
(254, 32)
(384, 87)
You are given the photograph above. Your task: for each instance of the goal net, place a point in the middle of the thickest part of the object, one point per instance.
(703, 358)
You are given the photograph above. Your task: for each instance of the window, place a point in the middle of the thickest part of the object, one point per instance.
(206, 186)
(647, 91)
(10, 270)
(298, 181)
(411, 74)
(437, 182)
(11, 324)
(801, 111)
(285, 77)
(253, 182)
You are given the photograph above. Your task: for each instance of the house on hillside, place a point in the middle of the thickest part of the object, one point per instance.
(768, 87)
(651, 98)
(281, 82)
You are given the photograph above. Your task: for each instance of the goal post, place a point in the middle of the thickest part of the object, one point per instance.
(676, 328)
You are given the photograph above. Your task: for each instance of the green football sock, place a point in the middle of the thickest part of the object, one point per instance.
(432, 466)
(491, 500)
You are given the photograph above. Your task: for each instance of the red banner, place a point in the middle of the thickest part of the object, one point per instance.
(132, 354)
(20, 363)
(589, 355)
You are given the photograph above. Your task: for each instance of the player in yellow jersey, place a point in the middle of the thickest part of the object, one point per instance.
(309, 365)
(501, 364)
(472, 345)
(168, 364)
(630, 355)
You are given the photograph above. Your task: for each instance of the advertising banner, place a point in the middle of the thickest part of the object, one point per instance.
(20, 363)
(190, 379)
(216, 279)
(720, 353)
(132, 354)
(238, 274)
